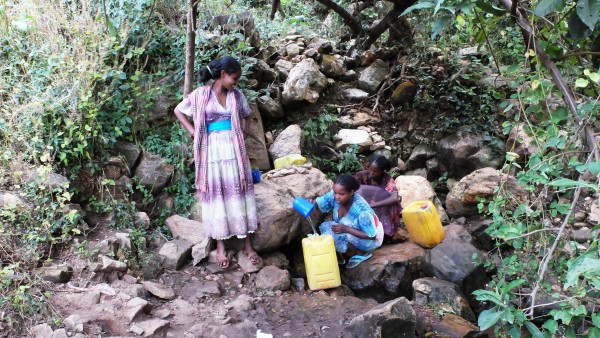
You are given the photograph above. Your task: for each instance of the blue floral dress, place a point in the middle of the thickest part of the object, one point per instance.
(360, 216)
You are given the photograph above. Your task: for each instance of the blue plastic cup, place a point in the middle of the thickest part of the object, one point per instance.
(303, 207)
(256, 176)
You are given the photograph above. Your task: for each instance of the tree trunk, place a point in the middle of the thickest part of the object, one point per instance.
(190, 48)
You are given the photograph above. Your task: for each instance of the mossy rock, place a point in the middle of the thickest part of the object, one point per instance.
(404, 94)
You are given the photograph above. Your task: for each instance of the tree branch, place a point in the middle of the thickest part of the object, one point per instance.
(348, 19)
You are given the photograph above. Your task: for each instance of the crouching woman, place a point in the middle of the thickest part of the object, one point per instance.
(355, 228)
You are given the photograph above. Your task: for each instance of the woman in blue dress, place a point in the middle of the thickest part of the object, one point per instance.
(355, 227)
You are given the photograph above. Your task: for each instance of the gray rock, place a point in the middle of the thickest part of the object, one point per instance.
(141, 220)
(183, 228)
(201, 250)
(283, 68)
(280, 224)
(371, 78)
(355, 94)
(61, 273)
(272, 278)
(432, 291)
(454, 261)
(8, 199)
(333, 66)
(256, 145)
(390, 271)
(454, 326)
(208, 288)
(304, 83)
(583, 235)
(299, 284)
(135, 307)
(243, 303)
(287, 142)
(463, 152)
(269, 107)
(420, 154)
(109, 265)
(462, 199)
(159, 290)
(42, 331)
(153, 172)
(176, 253)
(151, 328)
(129, 151)
(395, 318)
(51, 180)
(60, 333)
(74, 323)
(277, 259)
(360, 138)
(292, 50)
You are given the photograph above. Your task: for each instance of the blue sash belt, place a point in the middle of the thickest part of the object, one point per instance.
(219, 125)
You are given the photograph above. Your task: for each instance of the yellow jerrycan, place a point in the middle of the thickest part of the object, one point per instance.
(320, 261)
(423, 223)
(292, 159)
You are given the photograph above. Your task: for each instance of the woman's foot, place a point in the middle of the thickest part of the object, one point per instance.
(222, 259)
(252, 256)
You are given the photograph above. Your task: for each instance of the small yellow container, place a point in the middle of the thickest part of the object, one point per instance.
(423, 223)
(320, 261)
(291, 159)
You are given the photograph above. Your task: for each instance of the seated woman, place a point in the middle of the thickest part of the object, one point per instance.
(379, 189)
(355, 227)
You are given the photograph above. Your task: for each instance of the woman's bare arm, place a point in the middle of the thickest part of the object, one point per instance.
(183, 119)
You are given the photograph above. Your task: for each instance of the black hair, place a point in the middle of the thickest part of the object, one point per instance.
(227, 63)
(381, 162)
(347, 181)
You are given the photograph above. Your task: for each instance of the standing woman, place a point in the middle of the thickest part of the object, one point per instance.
(223, 175)
(379, 189)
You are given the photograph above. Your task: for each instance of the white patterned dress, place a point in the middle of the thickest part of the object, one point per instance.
(227, 209)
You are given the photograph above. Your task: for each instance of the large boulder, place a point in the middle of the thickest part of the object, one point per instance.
(129, 151)
(287, 142)
(390, 271)
(395, 318)
(270, 108)
(463, 152)
(371, 78)
(434, 291)
(333, 66)
(462, 199)
(358, 137)
(154, 172)
(520, 142)
(256, 145)
(280, 224)
(414, 188)
(457, 262)
(304, 83)
(8, 199)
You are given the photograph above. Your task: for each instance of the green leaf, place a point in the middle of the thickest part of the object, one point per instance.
(514, 332)
(440, 23)
(512, 285)
(559, 115)
(485, 296)
(588, 10)
(487, 318)
(596, 319)
(551, 325)
(548, 6)
(581, 83)
(593, 167)
(534, 330)
(418, 5)
(438, 4)
(583, 265)
(569, 183)
(489, 8)
(594, 77)
(577, 29)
